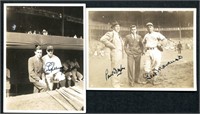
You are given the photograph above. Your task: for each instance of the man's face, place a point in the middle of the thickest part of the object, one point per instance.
(133, 30)
(150, 28)
(50, 52)
(116, 28)
(38, 53)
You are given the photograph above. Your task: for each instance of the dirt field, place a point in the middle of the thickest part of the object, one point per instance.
(176, 75)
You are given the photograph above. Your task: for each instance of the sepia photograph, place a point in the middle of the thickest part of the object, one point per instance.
(44, 58)
(141, 49)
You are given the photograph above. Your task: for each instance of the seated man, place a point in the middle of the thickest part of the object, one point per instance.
(52, 66)
(36, 72)
(71, 72)
(76, 75)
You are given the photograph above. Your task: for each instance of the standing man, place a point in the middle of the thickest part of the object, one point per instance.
(133, 47)
(113, 41)
(152, 42)
(52, 68)
(179, 47)
(35, 71)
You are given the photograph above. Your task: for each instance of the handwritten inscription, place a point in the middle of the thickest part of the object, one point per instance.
(115, 71)
(163, 66)
(49, 66)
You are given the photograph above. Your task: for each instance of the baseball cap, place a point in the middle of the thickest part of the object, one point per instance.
(149, 24)
(49, 47)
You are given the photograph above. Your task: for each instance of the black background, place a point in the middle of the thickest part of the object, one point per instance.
(135, 101)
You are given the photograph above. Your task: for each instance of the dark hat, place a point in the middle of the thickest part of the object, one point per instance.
(49, 47)
(114, 24)
(149, 24)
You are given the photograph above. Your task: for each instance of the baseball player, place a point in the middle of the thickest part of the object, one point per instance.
(52, 66)
(152, 42)
(113, 41)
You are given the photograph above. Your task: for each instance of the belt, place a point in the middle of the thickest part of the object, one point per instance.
(150, 48)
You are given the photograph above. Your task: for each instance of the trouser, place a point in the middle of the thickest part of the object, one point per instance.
(58, 77)
(8, 88)
(59, 84)
(133, 68)
(76, 75)
(49, 80)
(116, 62)
(152, 60)
(179, 51)
(39, 87)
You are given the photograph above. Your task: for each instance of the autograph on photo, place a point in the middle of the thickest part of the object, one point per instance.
(117, 71)
(165, 65)
(50, 66)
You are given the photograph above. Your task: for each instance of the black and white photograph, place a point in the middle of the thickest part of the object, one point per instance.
(141, 49)
(44, 58)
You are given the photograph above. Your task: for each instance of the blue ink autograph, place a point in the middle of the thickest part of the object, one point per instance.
(117, 71)
(49, 66)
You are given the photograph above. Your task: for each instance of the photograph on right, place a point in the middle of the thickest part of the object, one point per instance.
(141, 49)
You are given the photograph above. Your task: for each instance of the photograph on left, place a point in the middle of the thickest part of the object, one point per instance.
(44, 58)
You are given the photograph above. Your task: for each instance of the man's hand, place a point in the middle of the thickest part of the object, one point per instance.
(43, 82)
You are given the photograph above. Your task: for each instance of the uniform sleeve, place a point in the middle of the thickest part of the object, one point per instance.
(161, 37)
(31, 70)
(106, 40)
(58, 63)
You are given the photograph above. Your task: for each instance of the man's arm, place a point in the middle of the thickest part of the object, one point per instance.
(31, 70)
(126, 46)
(106, 40)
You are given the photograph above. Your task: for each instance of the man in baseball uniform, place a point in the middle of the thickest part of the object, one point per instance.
(52, 66)
(113, 41)
(152, 42)
(134, 48)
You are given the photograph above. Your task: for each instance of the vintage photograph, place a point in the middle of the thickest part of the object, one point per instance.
(44, 58)
(141, 49)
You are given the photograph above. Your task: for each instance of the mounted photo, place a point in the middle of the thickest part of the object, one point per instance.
(44, 58)
(143, 49)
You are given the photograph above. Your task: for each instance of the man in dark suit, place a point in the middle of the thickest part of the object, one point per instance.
(134, 49)
(35, 71)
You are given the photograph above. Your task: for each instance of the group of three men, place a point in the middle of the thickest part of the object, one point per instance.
(134, 46)
(43, 70)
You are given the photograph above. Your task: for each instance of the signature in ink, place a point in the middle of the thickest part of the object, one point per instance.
(117, 71)
(49, 66)
(165, 65)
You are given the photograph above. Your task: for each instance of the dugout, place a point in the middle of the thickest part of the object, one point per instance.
(20, 46)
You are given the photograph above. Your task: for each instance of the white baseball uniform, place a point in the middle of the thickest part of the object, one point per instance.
(51, 68)
(152, 55)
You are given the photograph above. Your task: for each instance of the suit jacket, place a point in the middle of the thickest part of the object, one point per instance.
(115, 44)
(35, 69)
(133, 46)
